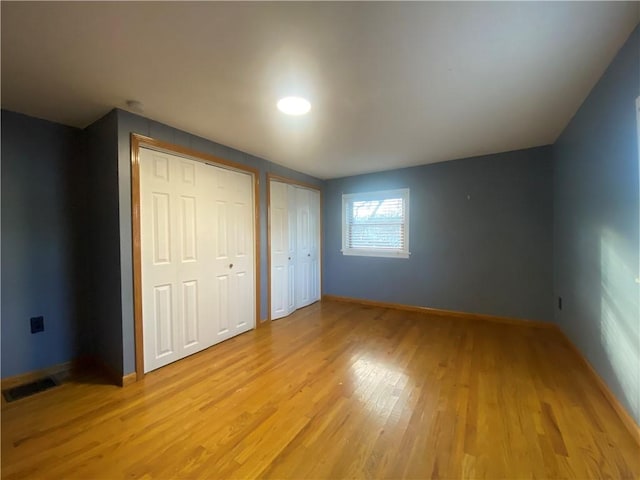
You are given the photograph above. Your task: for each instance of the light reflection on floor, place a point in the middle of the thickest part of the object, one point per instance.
(377, 385)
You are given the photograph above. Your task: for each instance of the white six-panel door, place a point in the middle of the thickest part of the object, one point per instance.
(314, 244)
(197, 256)
(291, 249)
(279, 250)
(303, 265)
(233, 294)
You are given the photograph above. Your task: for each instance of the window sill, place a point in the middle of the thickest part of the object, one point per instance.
(375, 253)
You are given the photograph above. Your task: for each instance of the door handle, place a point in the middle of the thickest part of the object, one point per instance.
(231, 265)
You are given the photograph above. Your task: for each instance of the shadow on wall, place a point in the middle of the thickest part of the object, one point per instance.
(43, 266)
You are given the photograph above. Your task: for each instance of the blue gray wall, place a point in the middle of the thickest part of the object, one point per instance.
(66, 236)
(41, 234)
(129, 123)
(596, 227)
(480, 237)
(103, 298)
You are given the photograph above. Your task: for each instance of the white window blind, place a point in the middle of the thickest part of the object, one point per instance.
(376, 223)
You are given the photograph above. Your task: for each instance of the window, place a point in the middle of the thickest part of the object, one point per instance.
(376, 224)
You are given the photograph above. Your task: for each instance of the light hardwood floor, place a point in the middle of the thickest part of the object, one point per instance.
(336, 391)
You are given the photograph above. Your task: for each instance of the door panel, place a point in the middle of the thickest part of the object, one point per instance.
(222, 304)
(278, 292)
(314, 248)
(292, 255)
(188, 170)
(160, 260)
(188, 228)
(161, 229)
(161, 167)
(240, 217)
(303, 264)
(242, 314)
(279, 231)
(235, 257)
(222, 251)
(291, 286)
(240, 247)
(190, 312)
(163, 320)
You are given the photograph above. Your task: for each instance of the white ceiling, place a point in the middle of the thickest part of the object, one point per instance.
(391, 84)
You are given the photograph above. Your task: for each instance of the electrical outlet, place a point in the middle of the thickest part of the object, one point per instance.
(559, 303)
(37, 324)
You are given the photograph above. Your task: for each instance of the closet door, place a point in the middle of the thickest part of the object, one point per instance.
(233, 289)
(314, 240)
(279, 230)
(197, 237)
(172, 195)
(292, 255)
(304, 242)
(294, 217)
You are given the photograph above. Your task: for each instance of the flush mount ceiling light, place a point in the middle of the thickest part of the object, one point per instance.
(294, 105)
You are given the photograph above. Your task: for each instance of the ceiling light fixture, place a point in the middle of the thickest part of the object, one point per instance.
(294, 105)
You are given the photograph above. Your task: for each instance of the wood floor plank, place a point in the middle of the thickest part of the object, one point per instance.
(336, 390)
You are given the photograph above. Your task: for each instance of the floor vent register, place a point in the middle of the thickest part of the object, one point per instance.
(28, 389)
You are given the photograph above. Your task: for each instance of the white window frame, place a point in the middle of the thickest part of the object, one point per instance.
(373, 251)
